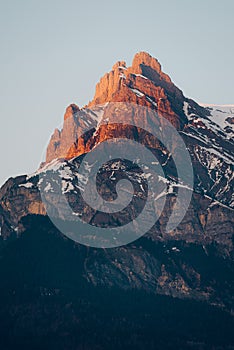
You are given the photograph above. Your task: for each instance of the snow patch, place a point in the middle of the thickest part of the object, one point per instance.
(27, 185)
(137, 92)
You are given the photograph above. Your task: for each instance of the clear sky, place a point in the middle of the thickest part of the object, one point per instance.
(54, 51)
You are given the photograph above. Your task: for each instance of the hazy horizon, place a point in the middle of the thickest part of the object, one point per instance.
(54, 53)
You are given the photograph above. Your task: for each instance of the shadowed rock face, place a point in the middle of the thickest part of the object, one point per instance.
(209, 219)
(71, 297)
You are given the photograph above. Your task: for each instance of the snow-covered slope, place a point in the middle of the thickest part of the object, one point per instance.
(211, 144)
(222, 115)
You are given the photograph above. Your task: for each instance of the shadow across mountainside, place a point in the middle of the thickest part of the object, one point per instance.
(47, 301)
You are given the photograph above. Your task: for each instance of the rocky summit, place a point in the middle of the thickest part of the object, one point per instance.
(189, 268)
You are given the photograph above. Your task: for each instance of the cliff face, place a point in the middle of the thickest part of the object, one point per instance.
(160, 263)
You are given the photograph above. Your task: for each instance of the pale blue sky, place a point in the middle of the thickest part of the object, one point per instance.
(54, 52)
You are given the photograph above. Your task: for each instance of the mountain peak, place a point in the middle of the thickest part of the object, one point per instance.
(144, 75)
(144, 58)
(143, 83)
(70, 110)
(119, 65)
